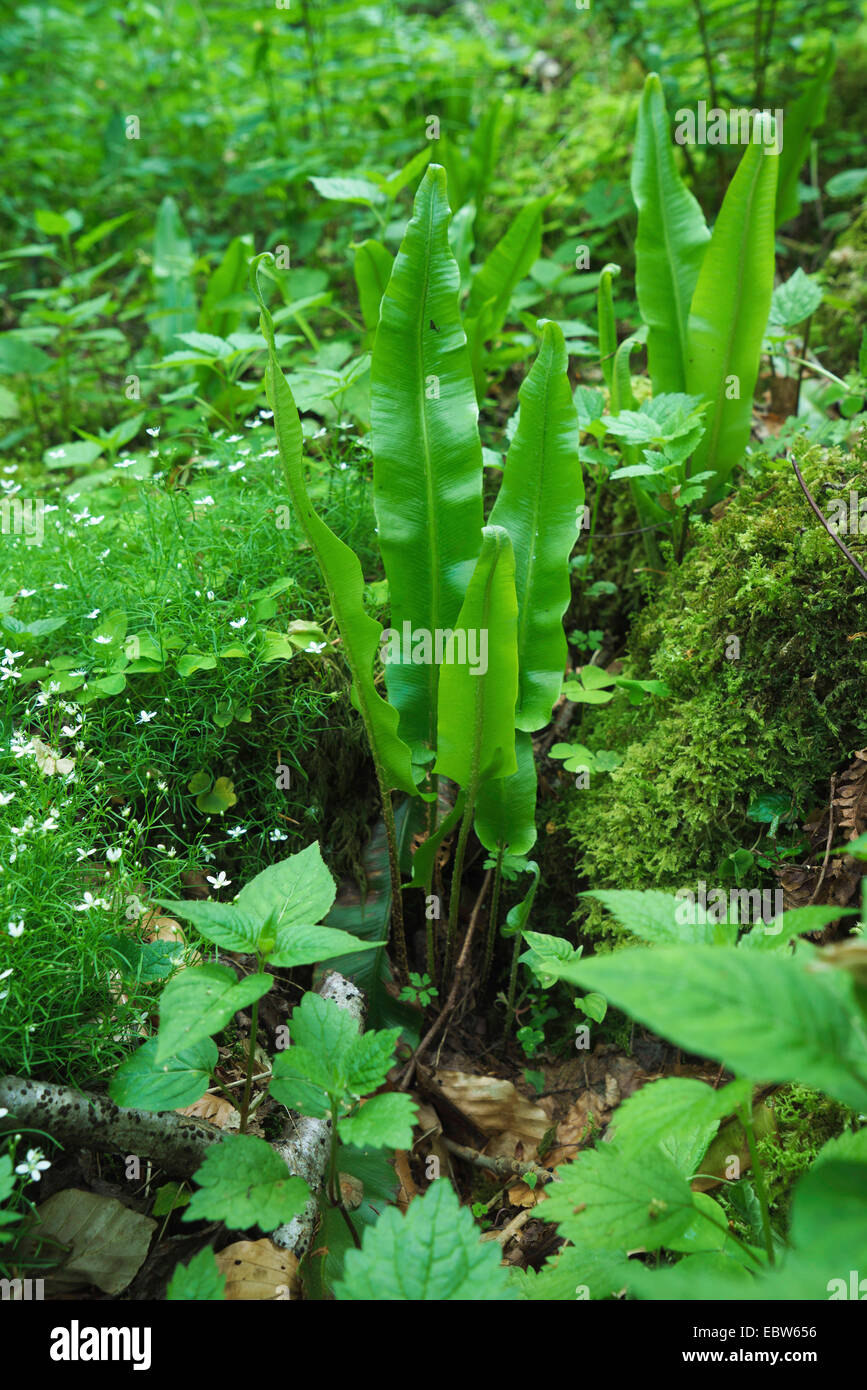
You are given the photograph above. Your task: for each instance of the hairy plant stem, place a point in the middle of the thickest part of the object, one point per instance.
(492, 919)
(759, 1177)
(397, 922)
(457, 872)
(513, 985)
(251, 1060)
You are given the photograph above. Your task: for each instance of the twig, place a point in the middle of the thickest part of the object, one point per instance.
(449, 1005)
(841, 545)
(501, 1167)
(827, 843)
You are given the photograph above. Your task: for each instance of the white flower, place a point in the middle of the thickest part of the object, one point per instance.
(26, 593)
(112, 855)
(9, 658)
(90, 902)
(16, 928)
(84, 854)
(34, 1164)
(207, 854)
(50, 823)
(94, 614)
(315, 647)
(236, 831)
(103, 641)
(6, 797)
(60, 586)
(220, 881)
(209, 594)
(3, 1112)
(277, 835)
(238, 622)
(153, 432)
(145, 716)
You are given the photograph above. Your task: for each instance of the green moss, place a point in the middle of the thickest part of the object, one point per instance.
(782, 716)
(806, 1121)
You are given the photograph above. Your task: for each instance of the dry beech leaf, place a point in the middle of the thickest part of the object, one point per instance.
(407, 1189)
(257, 1270)
(497, 1108)
(107, 1243)
(215, 1109)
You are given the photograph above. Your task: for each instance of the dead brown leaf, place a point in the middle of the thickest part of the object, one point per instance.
(256, 1270)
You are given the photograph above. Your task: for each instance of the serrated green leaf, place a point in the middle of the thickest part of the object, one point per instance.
(607, 1200)
(678, 1115)
(244, 1183)
(763, 1015)
(200, 1280)
(367, 1060)
(384, 1121)
(201, 1001)
(146, 1083)
(305, 1080)
(432, 1254)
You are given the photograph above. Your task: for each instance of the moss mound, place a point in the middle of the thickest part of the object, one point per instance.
(777, 709)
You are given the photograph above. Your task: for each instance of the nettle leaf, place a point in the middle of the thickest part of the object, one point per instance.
(244, 1183)
(220, 923)
(145, 1083)
(200, 1280)
(576, 1273)
(433, 1254)
(321, 1025)
(795, 300)
(707, 1277)
(304, 1079)
(299, 890)
(200, 1002)
(384, 1121)
(663, 917)
(607, 1199)
(762, 1014)
(368, 1059)
(678, 1115)
(305, 945)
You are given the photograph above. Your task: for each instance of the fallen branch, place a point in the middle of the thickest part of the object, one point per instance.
(176, 1143)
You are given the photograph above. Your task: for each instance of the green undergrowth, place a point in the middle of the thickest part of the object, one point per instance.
(806, 1121)
(781, 718)
(223, 741)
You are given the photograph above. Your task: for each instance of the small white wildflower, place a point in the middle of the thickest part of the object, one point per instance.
(145, 716)
(16, 928)
(94, 614)
(238, 622)
(34, 1165)
(112, 855)
(220, 881)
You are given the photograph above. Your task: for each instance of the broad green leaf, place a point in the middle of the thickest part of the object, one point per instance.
(372, 268)
(795, 300)
(424, 858)
(367, 1060)
(173, 262)
(729, 311)
(678, 1115)
(765, 1016)
(707, 1231)
(828, 1226)
(244, 1183)
(201, 1001)
(220, 313)
(664, 918)
(305, 1080)
(305, 945)
(427, 457)
(19, 355)
(321, 1025)
(506, 806)
(298, 891)
(670, 246)
(507, 264)
(384, 1121)
(341, 570)
(349, 190)
(144, 1083)
(607, 1200)
(576, 1273)
(476, 725)
(539, 504)
(220, 923)
(199, 1280)
(432, 1254)
(705, 1277)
